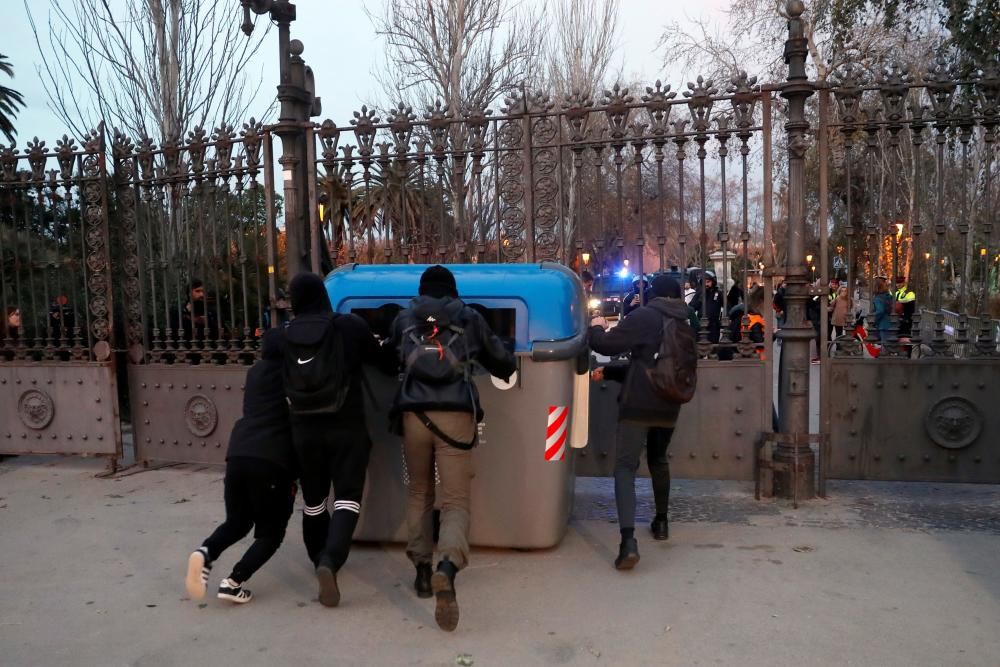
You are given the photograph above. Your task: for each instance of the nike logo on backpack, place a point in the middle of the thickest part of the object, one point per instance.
(305, 361)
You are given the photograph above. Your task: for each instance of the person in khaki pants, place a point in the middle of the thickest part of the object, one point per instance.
(438, 339)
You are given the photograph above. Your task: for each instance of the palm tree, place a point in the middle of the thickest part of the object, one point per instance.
(10, 101)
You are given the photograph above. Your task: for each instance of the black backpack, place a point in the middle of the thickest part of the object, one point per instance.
(429, 356)
(673, 375)
(314, 374)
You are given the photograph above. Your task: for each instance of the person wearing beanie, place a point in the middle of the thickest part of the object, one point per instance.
(437, 339)
(331, 447)
(259, 482)
(644, 418)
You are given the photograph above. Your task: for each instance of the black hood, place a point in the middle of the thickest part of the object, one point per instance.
(671, 307)
(309, 295)
(444, 310)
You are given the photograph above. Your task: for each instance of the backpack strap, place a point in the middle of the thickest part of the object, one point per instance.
(433, 428)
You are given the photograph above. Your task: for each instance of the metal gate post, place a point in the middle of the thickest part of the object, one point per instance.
(793, 458)
(824, 254)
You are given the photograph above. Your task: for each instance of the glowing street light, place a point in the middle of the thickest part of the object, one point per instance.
(899, 230)
(586, 258)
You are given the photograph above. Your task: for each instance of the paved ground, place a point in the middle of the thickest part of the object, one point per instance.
(879, 574)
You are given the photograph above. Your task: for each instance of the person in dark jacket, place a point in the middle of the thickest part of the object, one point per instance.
(882, 306)
(196, 322)
(634, 298)
(331, 447)
(439, 425)
(259, 482)
(643, 417)
(712, 311)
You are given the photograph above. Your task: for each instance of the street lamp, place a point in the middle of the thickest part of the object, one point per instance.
(586, 258)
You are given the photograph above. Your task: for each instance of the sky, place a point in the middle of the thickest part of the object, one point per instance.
(342, 49)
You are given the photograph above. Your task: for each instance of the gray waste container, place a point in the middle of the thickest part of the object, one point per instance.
(522, 490)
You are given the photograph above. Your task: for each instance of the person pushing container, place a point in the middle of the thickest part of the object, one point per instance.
(438, 339)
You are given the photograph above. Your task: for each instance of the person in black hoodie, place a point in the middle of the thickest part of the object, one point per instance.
(331, 447)
(439, 426)
(713, 311)
(259, 483)
(644, 418)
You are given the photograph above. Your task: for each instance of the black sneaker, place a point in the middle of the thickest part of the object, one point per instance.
(234, 592)
(443, 585)
(660, 528)
(422, 584)
(329, 594)
(628, 555)
(198, 570)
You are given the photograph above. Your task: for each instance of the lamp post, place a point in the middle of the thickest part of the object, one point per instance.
(296, 94)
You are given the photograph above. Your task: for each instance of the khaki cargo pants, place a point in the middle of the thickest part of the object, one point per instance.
(422, 449)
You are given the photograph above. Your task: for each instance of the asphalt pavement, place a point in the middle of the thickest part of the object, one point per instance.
(878, 574)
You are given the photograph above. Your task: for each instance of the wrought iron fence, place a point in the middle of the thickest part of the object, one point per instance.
(55, 278)
(913, 176)
(197, 244)
(595, 185)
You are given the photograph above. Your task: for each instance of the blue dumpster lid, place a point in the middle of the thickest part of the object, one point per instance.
(548, 295)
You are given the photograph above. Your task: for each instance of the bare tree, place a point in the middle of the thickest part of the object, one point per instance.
(462, 52)
(151, 67)
(583, 43)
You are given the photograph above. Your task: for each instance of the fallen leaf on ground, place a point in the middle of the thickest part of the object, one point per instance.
(803, 548)
(464, 659)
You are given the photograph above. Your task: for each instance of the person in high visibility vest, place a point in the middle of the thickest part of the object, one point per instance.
(753, 328)
(906, 305)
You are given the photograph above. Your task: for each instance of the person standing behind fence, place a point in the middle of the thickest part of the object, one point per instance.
(712, 311)
(438, 339)
(882, 310)
(905, 307)
(323, 383)
(644, 417)
(841, 314)
(259, 482)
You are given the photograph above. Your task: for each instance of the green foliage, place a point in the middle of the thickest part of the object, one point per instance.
(10, 101)
(973, 26)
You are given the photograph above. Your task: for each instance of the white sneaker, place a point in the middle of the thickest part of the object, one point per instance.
(197, 574)
(234, 592)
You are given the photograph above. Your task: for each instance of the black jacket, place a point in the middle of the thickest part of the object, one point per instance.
(627, 306)
(360, 347)
(713, 311)
(264, 432)
(484, 347)
(639, 336)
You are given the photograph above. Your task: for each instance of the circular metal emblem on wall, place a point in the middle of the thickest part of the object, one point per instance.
(201, 415)
(36, 409)
(953, 423)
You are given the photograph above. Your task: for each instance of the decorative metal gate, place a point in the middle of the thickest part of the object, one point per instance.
(57, 375)
(198, 239)
(913, 197)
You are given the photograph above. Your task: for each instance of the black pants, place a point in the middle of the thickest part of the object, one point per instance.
(329, 452)
(632, 436)
(258, 495)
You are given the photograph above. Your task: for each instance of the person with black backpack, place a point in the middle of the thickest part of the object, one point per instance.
(659, 376)
(324, 353)
(259, 482)
(438, 339)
